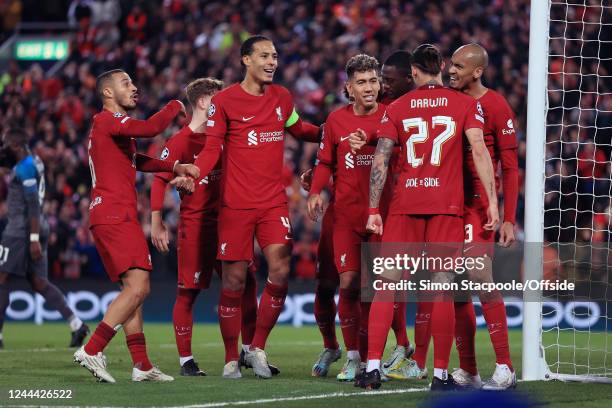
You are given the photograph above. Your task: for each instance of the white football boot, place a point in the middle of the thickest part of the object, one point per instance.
(154, 374)
(95, 364)
(503, 379)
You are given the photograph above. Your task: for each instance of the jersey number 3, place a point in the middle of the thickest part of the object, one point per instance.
(422, 135)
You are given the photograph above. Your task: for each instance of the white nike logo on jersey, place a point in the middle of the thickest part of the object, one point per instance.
(247, 119)
(195, 156)
(342, 139)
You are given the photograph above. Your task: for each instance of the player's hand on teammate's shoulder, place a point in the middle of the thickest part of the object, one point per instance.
(35, 251)
(506, 234)
(315, 206)
(357, 140)
(188, 170)
(183, 111)
(375, 224)
(306, 179)
(492, 217)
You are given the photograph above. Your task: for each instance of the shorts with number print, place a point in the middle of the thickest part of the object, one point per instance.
(15, 257)
(478, 241)
(238, 229)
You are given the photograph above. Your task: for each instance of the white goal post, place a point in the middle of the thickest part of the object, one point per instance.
(547, 352)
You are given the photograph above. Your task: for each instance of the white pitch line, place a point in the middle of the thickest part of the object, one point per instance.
(266, 400)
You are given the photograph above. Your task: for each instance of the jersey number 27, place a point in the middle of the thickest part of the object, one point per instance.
(422, 135)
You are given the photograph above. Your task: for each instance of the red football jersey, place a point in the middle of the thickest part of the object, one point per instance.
(112, 151)
(429, 123)
(352, 170)
(253, 130)
(499, 135)
(204, 201)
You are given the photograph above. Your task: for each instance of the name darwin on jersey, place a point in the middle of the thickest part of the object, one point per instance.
(428, 102)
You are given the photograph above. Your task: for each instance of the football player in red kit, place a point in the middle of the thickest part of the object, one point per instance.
(113, 162)
(351, 178)
(197, 231)
(427, 206)
(468, 64)
(249, 119)
(327, 281)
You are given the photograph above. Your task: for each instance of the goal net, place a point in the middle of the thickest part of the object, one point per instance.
(574, 214)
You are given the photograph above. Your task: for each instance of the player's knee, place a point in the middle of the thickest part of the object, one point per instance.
(278, 267)
(38, 284)
(326, 288)
(139, 290)
(349, 280)
(234, 282)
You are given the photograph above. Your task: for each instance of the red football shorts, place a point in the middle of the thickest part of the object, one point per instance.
(478, 241)
(326, 270)
(197, 253)
(347, 248)
(443, 234)
(122, 247)
(237, 228)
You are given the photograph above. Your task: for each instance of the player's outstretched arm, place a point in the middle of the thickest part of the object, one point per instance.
(378, 176)
(304, 131)
(484, 167)
(129, 127)
(209, 156)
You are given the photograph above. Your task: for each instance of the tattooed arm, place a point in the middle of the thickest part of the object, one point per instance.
(484, 167)
(378, 176)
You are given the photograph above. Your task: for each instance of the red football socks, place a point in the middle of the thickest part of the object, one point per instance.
(443, 330)
(99, 339)
(363, 329)
(249, 308)
(495, 315)
(349, 311)
(230, 320)
(381, 315)
(422, 332)
(399, 324)
(182, 319)
(325, 315)
(138, 350)
(270, 307)
(465, 330)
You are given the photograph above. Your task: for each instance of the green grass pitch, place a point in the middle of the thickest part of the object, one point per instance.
(36, 357)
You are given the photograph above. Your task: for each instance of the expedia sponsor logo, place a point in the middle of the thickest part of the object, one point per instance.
(510, 128)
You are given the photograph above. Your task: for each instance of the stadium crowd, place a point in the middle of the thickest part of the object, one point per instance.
(165, 44)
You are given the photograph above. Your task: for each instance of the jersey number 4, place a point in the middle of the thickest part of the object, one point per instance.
(422, 135)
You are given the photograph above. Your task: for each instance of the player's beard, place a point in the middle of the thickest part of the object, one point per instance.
(129, 104)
